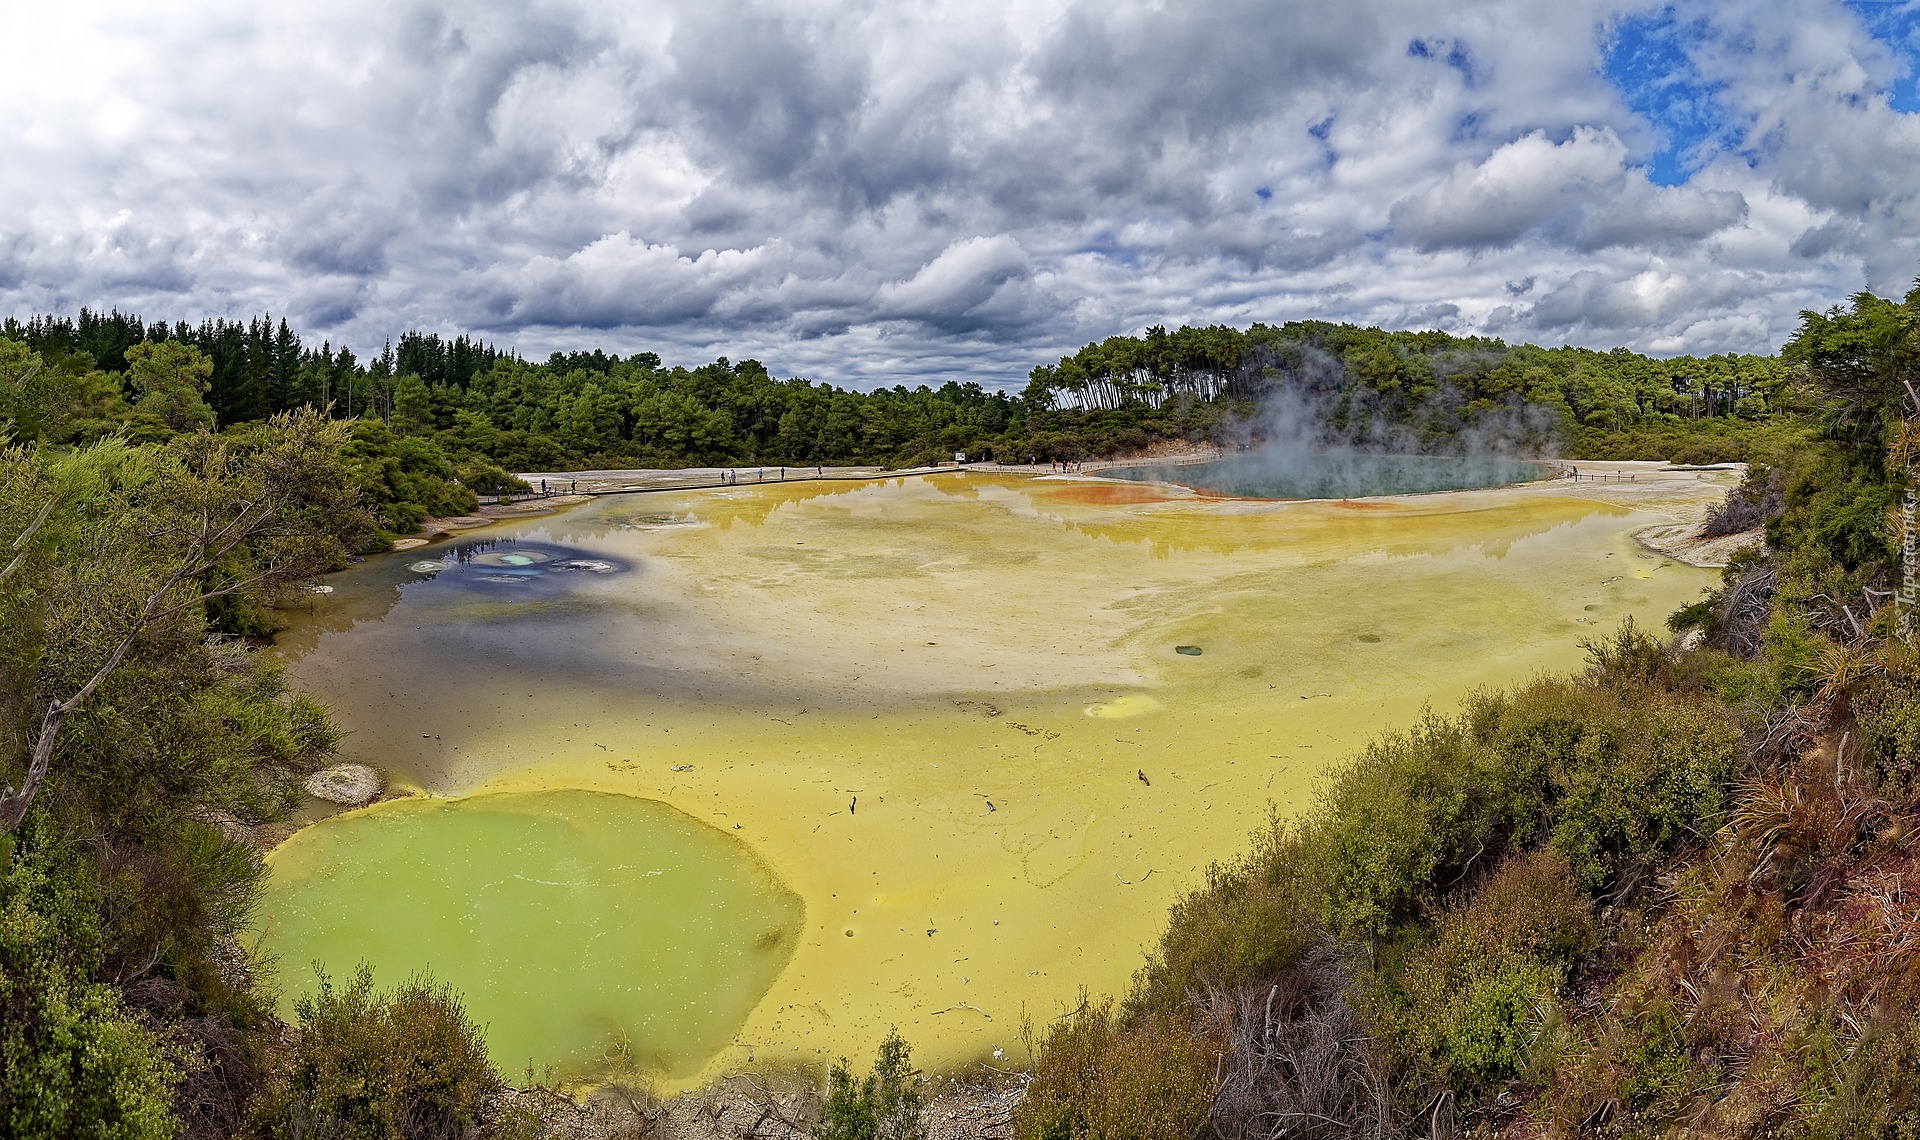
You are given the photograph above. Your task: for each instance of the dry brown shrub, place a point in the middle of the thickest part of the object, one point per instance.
(1150, 1078)
(1300, 1063)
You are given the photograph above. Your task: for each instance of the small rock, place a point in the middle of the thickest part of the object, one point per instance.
(349, 784)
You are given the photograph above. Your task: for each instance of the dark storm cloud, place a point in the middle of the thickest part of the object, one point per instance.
(1194, 74)
(872, 192)
(769, 92)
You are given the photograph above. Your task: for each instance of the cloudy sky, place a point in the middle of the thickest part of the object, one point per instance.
(915, 190)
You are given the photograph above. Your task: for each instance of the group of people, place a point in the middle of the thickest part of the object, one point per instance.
(729, 477)
(732, 477)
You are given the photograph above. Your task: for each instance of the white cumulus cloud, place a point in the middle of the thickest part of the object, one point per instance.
(877, 194)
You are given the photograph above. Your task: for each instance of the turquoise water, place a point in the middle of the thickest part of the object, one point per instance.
(1335, 475)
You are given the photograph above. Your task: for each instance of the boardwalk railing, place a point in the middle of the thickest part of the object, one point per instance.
(558, 484)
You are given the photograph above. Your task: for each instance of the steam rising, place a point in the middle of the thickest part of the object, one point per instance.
(1274, 473)
(1322, 432)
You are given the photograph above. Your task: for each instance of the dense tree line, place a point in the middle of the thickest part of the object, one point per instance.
(1425, 390)
(489, 411)
(574, 408)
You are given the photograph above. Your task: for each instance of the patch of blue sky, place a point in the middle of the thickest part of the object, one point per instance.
(1106, 246)
(1322, 130)
(1461, 60)
(1895, 23)
(1453, 53)
(1647, 61)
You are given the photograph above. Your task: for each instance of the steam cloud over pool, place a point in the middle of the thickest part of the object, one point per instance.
(1338, 474)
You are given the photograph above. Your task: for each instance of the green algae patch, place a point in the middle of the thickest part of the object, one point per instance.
(585, 930)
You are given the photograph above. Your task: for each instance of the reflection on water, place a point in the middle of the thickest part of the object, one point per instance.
(577, 925)
(953, 713)
(1336, 474)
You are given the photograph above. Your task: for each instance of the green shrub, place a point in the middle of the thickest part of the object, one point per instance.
(490, 479)
(1415, 810)
(1753, 686)
(1650, 1046)
(405, 479)
(1887, 709)
(1479, 1005)
(404, 1065)
(1872, 1091)
(1634, 772)
(1637, 1073)
(1613, 772)
(884, 1105)
(1627, 655)
(74, 1065)
(1253, 918)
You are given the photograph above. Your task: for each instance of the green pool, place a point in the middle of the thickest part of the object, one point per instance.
(590, 930)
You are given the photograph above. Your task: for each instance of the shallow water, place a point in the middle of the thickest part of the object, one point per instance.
(576, 924)
(928, 703)
(1335, 475)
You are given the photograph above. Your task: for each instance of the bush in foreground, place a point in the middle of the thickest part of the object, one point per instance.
(404, 1065)
(1148, 1077)
(74, 1063)
(884, 1105)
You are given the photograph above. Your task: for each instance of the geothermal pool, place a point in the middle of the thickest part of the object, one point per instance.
(869, 754)
(546, 908)
(1336, 475)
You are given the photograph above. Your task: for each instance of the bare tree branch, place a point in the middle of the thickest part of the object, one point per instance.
(26, 536)
(206, 518)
